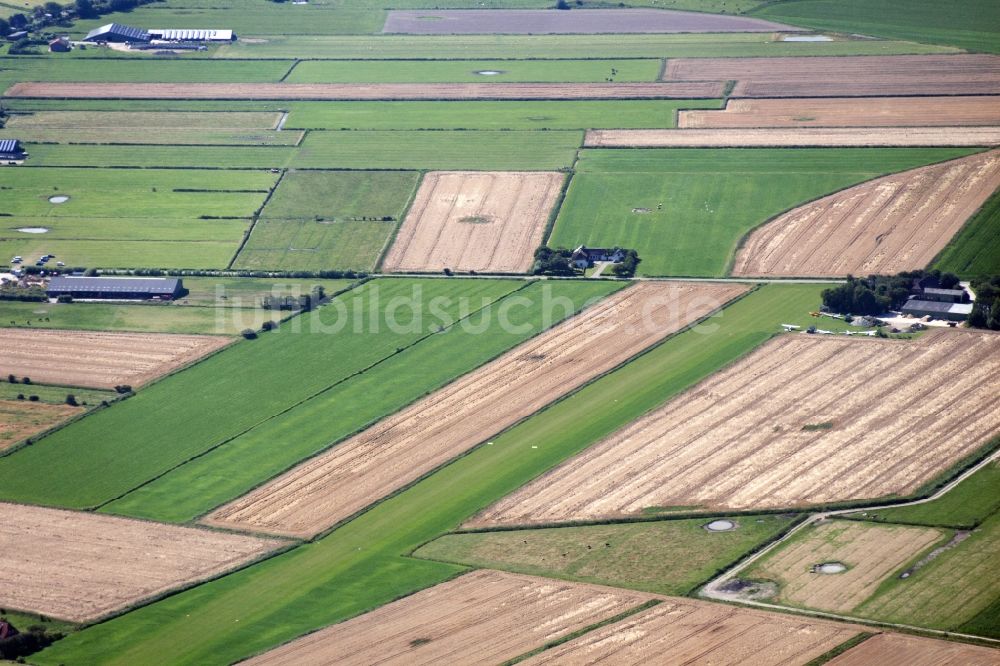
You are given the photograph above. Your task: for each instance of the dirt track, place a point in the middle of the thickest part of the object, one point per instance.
(22, 418)
(845, 76)
(685, 631)
(98, 359)
(548, 22)
(81, 566)
(803, 420)
(847, 112)
(489, 222)
(794, 137)
(400, 449)
(484, 617)
(870, 552)
(369, 91)
(902, 650)
(891, 224)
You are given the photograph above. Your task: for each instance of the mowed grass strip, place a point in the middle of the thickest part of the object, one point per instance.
(490, 115)
(214, 158)
(685, 210)
(474, 149)
(474, 71)
(187, 413)
(206, 254)
(143, 69)
(975, 250)
(319, 220)
(702, 45)
(667, 557)
(154, 136)
(359, 566)
(351, 406)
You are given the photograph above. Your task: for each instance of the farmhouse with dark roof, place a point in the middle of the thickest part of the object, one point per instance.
(115, 288)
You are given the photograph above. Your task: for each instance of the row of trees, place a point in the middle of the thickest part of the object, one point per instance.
(52, 14)
(986, 310)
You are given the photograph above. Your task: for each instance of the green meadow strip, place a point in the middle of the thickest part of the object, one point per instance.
(364, 564)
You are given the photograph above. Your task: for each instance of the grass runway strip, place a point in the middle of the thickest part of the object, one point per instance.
(81, 566)
(399, 450)
(795, 137)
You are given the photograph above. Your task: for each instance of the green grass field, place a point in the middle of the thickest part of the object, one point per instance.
(968, 24)
(479, 150)
(250, 384)
(195, 137)
(139, 69)
(710, 197)
(144, 120)
(441, 71)
(235, 307)
(329, 220)
(975, 251)
(964, 507)
(951, 590)
(214, 158)
(362, 564)
(251, 458)
(570, 114)
(53, 395)
(490, 47)
(666, 557)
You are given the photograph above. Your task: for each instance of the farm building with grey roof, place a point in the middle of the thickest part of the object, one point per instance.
(114, 288)
(116, 32)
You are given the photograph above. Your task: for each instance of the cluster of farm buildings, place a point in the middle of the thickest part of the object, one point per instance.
(125, 34)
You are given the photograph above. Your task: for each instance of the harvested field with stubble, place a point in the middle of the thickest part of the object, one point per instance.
(98, 359)
(887, 225)
(871, 554)
(475, 221)
(685, 631)
(793, 137)
(83, 566)
(823, 76)
(803, 420)
(370, 91)
(847, 112)
(24, 418)
(400, 449)
(903, 650)
(484, 617)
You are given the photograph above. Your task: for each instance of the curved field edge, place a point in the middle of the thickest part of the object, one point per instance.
(712, 198)
(975, 250)
(363, 564)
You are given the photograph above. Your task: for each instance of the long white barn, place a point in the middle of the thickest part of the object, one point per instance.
(191, 35)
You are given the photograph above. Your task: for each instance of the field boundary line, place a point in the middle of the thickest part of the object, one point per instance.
(255, 217)
(391, 240)
(254, 426)
(711, 589)
(295, 63)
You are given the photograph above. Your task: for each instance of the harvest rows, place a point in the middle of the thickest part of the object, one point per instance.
(803, 420)
(887, 225)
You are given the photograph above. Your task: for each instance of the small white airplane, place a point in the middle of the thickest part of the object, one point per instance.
(822, 332)
(790, 327)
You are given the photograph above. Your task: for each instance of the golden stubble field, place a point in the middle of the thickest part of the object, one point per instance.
(484, 617)
(484, 221)
(81, 566)
(903, 650)
(98, 359)
(887, 225)
(870, 552)
(403, 447)
(803, 420)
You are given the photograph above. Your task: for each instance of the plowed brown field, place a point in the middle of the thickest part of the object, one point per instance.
(803, 420)
(372, 91)
(475, 221)
(82, 566)
(400, 449)
(794, 137)
(98, 359)
(847, 112)
(838, 76)
(484, 617)
(21, 418)
(685, 631)
(870, 552)
(887, 225)
(902, 650)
